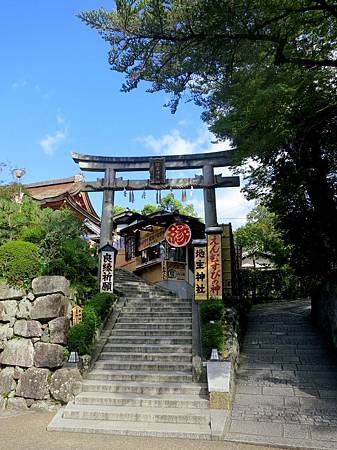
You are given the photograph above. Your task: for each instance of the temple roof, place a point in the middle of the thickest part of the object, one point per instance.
(56, 194)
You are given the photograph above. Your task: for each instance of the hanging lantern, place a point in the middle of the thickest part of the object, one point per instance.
(159, 197)
(144, 194)
(183, 195)
(124, 192)
(191, 191)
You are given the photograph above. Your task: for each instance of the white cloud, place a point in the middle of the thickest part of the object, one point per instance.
(19, 84)
(231, 204)
(60, 119)
(51, 141)
(174, 143)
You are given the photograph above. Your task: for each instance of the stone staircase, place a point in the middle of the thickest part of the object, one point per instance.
(141, 384)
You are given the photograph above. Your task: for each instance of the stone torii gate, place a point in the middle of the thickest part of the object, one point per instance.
(157, 167)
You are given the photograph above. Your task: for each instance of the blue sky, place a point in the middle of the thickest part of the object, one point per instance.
(58, 95)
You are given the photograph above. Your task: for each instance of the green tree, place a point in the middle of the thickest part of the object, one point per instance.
(264, 74)
(260, 235)
(169, 203)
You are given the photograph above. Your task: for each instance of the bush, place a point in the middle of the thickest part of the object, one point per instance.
(211, 310)
(212, 337)
(101, 303)
(19, 263)
(81, 337)
(34, 233)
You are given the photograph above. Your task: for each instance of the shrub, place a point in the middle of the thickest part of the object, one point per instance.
(19, 263)
(101, 303)
(212, 337)
(81, 337)
(34, 233)
(211, 310)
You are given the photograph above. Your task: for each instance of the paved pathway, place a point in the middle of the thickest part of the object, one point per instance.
(286, 391)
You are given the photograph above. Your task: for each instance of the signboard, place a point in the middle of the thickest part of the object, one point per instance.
(107, 269)
(172, 270)
(157, 171)
(77, 315)
(147, 239)
(214, 266)
(200, 273)
(226, 260)
(178, 234)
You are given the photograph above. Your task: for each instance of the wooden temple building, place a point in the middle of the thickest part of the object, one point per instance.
(67, 193)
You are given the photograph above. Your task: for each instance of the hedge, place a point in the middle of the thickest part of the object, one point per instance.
(19, 263)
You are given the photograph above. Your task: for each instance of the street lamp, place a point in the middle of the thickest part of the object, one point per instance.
(18, 174)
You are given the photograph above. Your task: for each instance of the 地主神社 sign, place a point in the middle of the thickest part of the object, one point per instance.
(200, 273)
(214, 261)
(107, 269)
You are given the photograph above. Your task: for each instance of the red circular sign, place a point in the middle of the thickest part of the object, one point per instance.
(178, 234)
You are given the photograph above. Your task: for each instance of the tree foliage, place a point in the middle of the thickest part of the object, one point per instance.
(170, 203)
(264, 72)
(260, 235)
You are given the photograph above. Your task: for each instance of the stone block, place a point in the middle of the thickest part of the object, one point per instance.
(48, 355)
(65, 384)
(17, 404)
(8, 311)
(18, 352)
(219, 384)
(58, 329)
(30, 296)
(18, 372)
(48, 307)
(44, 406)
(27, 328)
(24, 308)
(7, 382)
(34, 384)
(3, 403)
(219, 400)
(10, 293)
(5, 333)
(50, 284)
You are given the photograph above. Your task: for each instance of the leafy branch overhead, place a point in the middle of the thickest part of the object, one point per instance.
(197, 44)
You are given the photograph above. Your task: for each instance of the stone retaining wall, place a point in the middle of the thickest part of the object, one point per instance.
(33, 335)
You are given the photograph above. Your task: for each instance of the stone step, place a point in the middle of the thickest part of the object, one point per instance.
(154, 309)
(126, 428)
(144, 365)
(139, 414)
(149, 332)
(132, 399)
(153, 315)
(162, 340)
(155, 320)
(143, 387)
(146, 356)
(122, 375)
(125, 323)
(146, 348)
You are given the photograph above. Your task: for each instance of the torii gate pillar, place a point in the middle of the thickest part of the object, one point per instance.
(107, 208)
(209, 197)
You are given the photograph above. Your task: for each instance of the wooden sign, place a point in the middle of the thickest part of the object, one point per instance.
(227, 259)
(178, 234)
(147, 239)
(172, 270)
(107, 269)
(214, 263)
(200, 273)
(77, 315)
